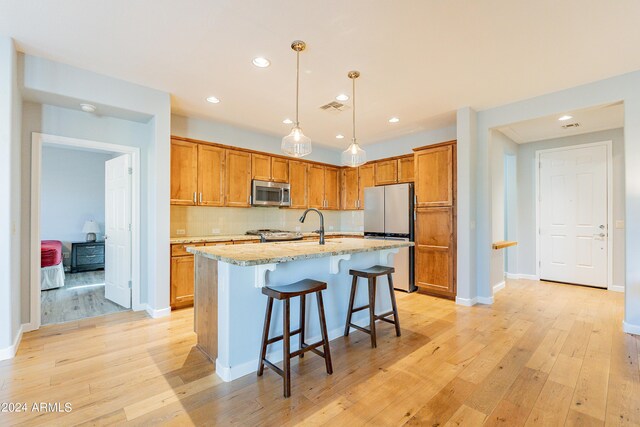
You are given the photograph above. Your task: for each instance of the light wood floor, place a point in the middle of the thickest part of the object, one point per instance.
(543, 354)
(81, 296)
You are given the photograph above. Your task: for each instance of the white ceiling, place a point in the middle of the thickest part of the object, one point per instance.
(420, 59)
(593, 119)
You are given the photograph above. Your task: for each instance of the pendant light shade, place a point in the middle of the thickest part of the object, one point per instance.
(354, 156)
(296, 144)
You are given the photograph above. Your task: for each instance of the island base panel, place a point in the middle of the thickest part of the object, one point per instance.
(206, 306)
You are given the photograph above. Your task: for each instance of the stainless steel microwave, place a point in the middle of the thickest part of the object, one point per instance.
(266, 193)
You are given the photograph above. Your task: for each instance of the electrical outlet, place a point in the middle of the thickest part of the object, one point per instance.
(619, 224)
(181, 232)
(215, 231)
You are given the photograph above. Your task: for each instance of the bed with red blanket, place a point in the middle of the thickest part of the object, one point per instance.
(52, 270)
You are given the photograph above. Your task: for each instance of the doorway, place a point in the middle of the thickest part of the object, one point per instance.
(101, 263)
(574, 214)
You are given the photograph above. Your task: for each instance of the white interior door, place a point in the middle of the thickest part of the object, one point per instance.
(573, 216)
(117, 260)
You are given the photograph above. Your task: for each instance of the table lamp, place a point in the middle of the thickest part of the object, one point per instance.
(91, 228)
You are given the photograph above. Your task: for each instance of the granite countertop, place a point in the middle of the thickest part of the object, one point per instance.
(278, 252)
(240, 237)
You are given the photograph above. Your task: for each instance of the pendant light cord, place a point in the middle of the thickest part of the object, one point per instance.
(353, 81)
(297, 84)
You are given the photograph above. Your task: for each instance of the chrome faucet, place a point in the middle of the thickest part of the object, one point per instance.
(321, 230)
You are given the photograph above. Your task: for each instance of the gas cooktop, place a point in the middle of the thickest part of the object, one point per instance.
(271, 235)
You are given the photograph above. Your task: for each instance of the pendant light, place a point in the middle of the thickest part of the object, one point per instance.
(354, 155)
(296, 144)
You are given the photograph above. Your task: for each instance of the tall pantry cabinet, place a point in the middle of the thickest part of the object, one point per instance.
(435, 236)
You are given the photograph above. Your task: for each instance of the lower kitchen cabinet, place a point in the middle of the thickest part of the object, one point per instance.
(182, 277)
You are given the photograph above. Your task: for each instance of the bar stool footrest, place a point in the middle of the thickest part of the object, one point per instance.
(281, 337)
(309, 347)
(274, 367)
(364, 307)
(360, 328)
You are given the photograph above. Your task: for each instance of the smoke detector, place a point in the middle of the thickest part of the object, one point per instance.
(89, 108)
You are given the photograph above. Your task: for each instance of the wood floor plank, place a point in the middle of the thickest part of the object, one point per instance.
(543, 354)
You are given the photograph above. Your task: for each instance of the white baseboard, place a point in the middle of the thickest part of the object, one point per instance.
(630, 328)
(163, 312)
(498, 287)
(28, 327)
(467, 302)
(522, 276)
(616, 288)
(230, 373)
(485, 300)
(10, 352)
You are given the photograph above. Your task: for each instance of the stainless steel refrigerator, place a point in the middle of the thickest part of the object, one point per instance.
(388, 214)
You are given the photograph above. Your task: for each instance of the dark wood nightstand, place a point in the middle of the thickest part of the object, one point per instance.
(87, 256)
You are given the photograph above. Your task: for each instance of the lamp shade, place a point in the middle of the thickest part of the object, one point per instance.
(296, 144)
(90, 227)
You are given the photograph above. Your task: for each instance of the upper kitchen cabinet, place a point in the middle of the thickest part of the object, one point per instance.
(386, 172)
(434, 176)
(261, 167)
(350, 195)
(210, 175)
(366, 178)
(184, 173)
(238, 178)
(406, 169)
(279, 169)
(331, 187)
(269, 168)
(323, 187)
(315, 182)
(298, 182)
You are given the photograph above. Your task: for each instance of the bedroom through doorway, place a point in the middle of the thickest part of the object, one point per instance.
(85, 233)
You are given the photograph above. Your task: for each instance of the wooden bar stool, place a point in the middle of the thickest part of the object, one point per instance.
(285, 293)
(371, 274)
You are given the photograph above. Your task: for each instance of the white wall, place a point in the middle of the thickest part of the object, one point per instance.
(72, 192)
(501, 146)
(56, 82)
(222, 133)
(406, 144)
(527, 204)
(10, 209)
(466, 148)
(624, 88)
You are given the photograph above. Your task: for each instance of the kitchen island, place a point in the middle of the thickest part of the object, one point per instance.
(229, 306)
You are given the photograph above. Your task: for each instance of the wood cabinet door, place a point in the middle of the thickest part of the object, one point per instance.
(210, 175)
(261, 167)
(315, 186)
(405, 169)
(332, 188)
(434, 176)
(435, 250)
(184, 173)
(238, 178)
(279, 169)
(182, 278)
(366, 178)
(386, 172)
(349, 194)
(298, 182)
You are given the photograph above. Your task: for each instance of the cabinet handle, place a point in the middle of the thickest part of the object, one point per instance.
(200, 198)
(194, 197)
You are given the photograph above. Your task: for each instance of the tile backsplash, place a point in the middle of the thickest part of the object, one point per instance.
(191, 221)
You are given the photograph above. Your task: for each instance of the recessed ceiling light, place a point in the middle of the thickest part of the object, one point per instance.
(339, 136)
(394, 120)
(565, 117)
(89, 108)
(287, 121)
(261, 62)
(342, 97)
(213, 99)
